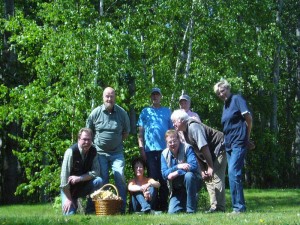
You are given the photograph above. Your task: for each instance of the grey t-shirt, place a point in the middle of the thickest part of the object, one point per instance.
(198, 135)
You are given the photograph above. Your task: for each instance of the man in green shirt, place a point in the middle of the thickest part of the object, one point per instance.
(110, 124)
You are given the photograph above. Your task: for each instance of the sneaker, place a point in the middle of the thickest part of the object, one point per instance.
(211, 210)
(156, 212)
(147, 211)
(235, 213)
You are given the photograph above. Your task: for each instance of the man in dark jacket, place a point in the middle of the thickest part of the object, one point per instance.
(80, 173)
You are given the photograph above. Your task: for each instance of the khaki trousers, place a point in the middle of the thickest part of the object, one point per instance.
(216, 186)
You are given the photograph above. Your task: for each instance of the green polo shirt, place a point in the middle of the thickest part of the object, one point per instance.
(108, 128)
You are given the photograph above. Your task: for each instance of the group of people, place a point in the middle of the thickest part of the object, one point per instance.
(176, 148)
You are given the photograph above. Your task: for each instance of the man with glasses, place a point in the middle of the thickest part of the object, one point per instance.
(179, 167)
(80, 173)
(208, 146)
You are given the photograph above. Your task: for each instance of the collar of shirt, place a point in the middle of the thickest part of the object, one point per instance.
(104, 109)
(81, 153)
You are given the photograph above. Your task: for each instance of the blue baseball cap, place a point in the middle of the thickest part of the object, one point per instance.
(155, 90)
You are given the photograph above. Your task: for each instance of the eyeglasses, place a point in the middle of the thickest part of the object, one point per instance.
(172, 142)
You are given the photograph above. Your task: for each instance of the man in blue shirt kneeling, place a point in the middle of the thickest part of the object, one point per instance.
(179, 167)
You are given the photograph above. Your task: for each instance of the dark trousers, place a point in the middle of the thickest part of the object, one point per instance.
(154, 171)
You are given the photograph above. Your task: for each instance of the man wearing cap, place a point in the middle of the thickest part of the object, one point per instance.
(185, 104)
(153, 123)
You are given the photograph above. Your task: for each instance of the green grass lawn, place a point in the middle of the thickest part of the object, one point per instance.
(272, 206)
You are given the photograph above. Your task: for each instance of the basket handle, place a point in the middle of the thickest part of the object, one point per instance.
(111, 185)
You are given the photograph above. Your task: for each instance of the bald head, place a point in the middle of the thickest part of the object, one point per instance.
(109, 98)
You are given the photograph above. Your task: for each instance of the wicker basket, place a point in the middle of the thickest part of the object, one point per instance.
(108, 206)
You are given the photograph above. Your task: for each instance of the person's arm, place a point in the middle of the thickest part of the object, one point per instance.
(68, 202)
(126, 125)
(207, 156)
(66, 169)
(191, 160)
(94, 172)
(169, 173)
(141, 142)
(64, 182)
(200, 138)
(133, 187)
(203, 169)
(248, 120)
(153, 183)
(241, 104)
(77, 179)
(90, 124)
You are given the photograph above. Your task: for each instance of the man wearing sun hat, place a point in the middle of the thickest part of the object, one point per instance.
(185, 104)
(153, 123)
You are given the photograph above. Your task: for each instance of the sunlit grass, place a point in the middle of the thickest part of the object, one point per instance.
(275, 206)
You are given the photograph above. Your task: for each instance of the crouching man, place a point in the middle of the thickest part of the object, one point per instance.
(179, 167)
(80, 173)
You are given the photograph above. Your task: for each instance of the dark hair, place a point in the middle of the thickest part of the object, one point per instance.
(138, 160)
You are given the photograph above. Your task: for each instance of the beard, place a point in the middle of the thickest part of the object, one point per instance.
(109, 106)
(86, 147)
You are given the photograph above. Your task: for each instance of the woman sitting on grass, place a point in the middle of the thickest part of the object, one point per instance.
(143, 189)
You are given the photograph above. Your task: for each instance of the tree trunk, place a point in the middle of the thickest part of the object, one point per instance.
(10, 169)
(101, 7)
(276, 73)
(274, 122)
(9, 8)
(296, 146)
(132, 112)
(9, 162)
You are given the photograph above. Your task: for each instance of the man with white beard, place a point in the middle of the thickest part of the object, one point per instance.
(110, 124)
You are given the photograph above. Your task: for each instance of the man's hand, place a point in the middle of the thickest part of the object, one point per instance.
(184, 166)
(74, 179)
(250, 145)
(205, 176)
(145, 187)
(147, 196)
(172, 175)
(67, 206)
(209, 172)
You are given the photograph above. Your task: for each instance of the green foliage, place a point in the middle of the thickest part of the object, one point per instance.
(66, 53)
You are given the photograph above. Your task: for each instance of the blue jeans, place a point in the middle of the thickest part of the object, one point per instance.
(116, 162)
(154, 171)
(87, 189)
(139, 203)
(235, 159)
(185, 198)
